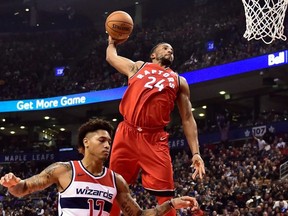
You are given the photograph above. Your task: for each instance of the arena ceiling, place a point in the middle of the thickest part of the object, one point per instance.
(86, 7)
(90, 8)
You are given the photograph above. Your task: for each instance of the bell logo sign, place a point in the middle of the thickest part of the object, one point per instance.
(274, 59)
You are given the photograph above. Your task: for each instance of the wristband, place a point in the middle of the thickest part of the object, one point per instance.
(195, 154)
(171, 204)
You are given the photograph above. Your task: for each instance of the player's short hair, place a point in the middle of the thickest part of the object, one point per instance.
(92, 126)
(155, 47)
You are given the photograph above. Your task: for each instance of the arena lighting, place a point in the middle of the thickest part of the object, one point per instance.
(192, 77)
(222, 92)
(65, 149)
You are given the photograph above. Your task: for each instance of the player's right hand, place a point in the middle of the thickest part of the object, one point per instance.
(115, 42)
(9, 180)
(198, 165)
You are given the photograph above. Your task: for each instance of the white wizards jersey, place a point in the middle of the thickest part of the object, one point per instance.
(88, 195)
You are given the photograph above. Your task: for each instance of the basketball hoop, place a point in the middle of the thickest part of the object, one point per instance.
(265, 19)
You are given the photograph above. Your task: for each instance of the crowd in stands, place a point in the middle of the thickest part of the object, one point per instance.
(40, 203)
(28, 59)
(241, 179)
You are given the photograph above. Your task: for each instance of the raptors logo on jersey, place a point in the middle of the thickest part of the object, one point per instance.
(141, 104)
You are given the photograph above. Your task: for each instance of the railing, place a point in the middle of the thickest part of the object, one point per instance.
(284, 170)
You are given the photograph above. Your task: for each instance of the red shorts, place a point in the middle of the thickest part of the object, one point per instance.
(136, 149)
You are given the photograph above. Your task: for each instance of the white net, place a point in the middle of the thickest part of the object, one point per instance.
(265, 19)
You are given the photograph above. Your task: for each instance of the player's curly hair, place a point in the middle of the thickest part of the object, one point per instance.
(92, 126)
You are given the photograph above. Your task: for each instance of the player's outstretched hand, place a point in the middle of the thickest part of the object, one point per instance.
(185, 202)
(9, 180)
(198, 165)
(115, 42)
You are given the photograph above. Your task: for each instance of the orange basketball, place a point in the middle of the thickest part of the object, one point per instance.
(119, 25)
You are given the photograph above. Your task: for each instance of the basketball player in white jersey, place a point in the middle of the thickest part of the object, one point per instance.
(87, 187)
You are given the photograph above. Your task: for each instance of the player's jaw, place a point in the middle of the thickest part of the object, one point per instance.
(166, 60)
(106, 153)
(103, 155)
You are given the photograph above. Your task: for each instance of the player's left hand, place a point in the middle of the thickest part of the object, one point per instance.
(185, 202)
(198, 165)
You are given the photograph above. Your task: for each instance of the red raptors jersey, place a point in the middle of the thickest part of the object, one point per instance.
(150, 96)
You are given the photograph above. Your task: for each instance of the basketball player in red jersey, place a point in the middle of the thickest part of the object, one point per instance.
(140, 141)
(86, 187)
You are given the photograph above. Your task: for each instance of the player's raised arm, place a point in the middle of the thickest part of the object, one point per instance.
(46, 178)
(120, 63)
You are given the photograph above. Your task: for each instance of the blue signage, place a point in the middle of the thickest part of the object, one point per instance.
(62, 101)
(234, 134)
(174, 143)
(40, 156)
(59, 71)
(197, 76)
(210, 46)
(237, 67)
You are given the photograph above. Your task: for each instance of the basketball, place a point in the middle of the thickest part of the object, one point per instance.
(119, 25)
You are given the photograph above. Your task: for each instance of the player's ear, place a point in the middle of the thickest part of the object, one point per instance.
(152, 56)
(85, 142)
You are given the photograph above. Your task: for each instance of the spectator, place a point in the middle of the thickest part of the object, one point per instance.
(281, 144)
(2, 211)
(281, 204)
(261, 143)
